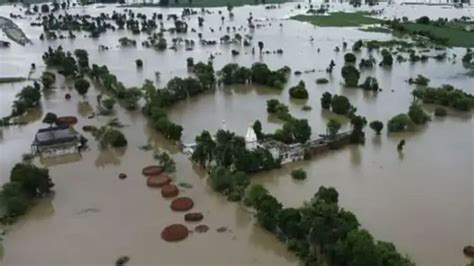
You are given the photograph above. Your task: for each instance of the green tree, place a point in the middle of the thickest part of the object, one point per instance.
(257, 127)
(33, 180)
(48, 79)
(377, 126)
(350, 58)
(326, 100)
(398, 123)
(82, 86)
(298, 174)
(108, 104)
(299, 91)
(340, 104)
(50, 118)
(333, 128)
(417, 115)
(351, 75)
(14, 199)
(254, 194)
(166, 162)
(260, 46)
(387, 58)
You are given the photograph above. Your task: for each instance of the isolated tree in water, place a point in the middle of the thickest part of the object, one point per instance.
(82, 86)
(260, 46)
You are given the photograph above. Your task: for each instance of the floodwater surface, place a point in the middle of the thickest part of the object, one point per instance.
(420, 199)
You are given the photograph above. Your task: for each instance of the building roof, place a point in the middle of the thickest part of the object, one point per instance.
(250, 136)
(55, 135)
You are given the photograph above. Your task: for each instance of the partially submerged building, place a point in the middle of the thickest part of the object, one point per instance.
(56, 141)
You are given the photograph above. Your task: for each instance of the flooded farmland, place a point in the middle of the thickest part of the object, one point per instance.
(421, 199)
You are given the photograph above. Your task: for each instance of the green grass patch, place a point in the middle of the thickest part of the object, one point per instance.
(11, 79)
(454, 34)
(212, 3)
(339, 19)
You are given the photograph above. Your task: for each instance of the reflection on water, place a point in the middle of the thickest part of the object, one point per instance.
(421, 198)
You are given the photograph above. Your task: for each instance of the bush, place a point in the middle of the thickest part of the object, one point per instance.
(417, 115)
(440, 111)
(340, 105)
(322, 81)
(299, 91)
(351, 75)
(399, 123)
(108, 104)
(350, 58)
(377, 126)
(117, 139)
(298, 174)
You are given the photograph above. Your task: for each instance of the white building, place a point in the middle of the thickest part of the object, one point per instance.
(251, 141)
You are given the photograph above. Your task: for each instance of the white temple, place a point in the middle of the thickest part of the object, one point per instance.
(251, 141)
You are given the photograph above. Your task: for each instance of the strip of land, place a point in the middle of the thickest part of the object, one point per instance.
(207, 3)
(339, 19)
(11, 79)
(452, 34)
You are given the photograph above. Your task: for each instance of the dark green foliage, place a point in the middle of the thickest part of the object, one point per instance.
(440, 111)
(48, 79)
(234, 74)
(423, 20)
(28, 97)
(262, 75)
(166, 162)
(122, 261)
(298, 174)
(108, 104)
(64, 62)
(326, 100)
(82, 58)
(377, 126)
(257, 127)
(226, 182)
(417, 115)
(50, 118)
(398, 123)
(293, 131)
(82, 86)
(117, 139)
(340, 105)
(357, 45)
(322, 81)
(370, 84)
(34, 181)
(254, 194)
(400, 145)
(351, 75)
(358, 123)
(419, 80)
(279, 109)
(333, 128)
(350, 58)
(139, 63)
(299, 91)
(446, 96)
(387, 58)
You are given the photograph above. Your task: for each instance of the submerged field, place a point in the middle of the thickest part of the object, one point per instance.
(339, 19)
(404, 197)
(211, 3)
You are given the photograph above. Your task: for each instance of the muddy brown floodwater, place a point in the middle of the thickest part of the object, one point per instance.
(420, 199)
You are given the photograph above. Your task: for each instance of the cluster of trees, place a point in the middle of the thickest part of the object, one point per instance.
(322, 233)
(399, 123)
(27, 182)
(108, 136)
(415, 116)
(299, 91)
(293, 131)
(445, 95)
(259, 73)
(64, 62)
(339, 104)
(351, 75)
(228, 151)
(28, 97)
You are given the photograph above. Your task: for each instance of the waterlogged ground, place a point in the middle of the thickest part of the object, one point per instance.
(421, 199)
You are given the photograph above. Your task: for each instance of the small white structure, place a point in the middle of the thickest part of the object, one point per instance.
(251, 141)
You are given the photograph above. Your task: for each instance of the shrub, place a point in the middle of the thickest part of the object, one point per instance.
(398, 123)
(299, 91)
(440, 111)
(322, 81)
(298, 174)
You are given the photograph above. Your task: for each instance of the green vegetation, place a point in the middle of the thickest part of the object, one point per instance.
(166, 162)
(339, 19)
(27, 182)
(452, 34)
(298, 174)
(48, 79)
(350, 58)
(50, 118)
(351, 75)
(376, 29)
(320, 232)
(419, 80)
(82, 86)
(299, 91)
(417, 115)
(377, 126)
(29, 97)
(122, 261)
(326, 100)
(293, 131)
(398, 123)
(370, 84)
(446, 95)
(108, 136)
(259, 73)
(322, 81)
(279, 109)
(341, 105)
(333, 128)
(11, 79)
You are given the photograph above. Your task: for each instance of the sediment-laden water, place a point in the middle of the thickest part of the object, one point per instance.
(421, 199)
